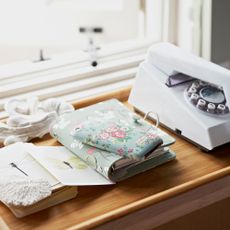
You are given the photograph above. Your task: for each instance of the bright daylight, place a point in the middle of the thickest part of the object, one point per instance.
(114, 114)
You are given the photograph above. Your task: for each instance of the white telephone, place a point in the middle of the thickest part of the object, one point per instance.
(191, 95)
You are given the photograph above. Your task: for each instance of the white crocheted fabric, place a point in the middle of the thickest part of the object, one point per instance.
(23, 192)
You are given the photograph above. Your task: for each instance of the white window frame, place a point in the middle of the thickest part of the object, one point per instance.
(71, 78)
(164, 29)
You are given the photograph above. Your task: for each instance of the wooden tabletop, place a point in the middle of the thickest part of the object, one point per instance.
(95, 205)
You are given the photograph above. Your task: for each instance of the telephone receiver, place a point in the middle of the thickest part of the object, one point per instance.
(190, 94)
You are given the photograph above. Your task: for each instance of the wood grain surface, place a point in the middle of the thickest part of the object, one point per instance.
(96, 205)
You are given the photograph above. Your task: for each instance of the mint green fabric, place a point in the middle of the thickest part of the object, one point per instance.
(102, 161)
(118, 135)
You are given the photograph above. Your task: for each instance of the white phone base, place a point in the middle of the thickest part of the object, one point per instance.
(197, 107)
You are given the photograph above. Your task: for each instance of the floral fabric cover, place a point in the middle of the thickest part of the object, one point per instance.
(103, 161)
(116, 129)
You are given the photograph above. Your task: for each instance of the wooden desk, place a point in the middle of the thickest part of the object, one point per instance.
(130, 201)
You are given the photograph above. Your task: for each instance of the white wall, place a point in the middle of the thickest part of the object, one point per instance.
(27, 25)
(190, 25)
(56, 22)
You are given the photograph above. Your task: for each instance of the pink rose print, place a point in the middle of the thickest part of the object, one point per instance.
(130, 150)
(151, 136)
(104, 135)
(118, 134)
(120, 151)
(112, 129)
(90, 151)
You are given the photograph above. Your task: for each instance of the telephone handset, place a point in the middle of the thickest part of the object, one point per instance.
(183, 89)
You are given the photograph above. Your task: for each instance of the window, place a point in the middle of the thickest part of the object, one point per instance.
(129, 28)
(28, 25)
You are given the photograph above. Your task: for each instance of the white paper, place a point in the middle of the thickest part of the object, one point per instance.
(65, 166)
(27, 167)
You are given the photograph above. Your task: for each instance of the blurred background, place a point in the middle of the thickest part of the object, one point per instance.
(73, 49)
(53, 25)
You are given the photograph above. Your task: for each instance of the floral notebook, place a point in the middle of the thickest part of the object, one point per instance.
(114, 141)
(119, 131)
